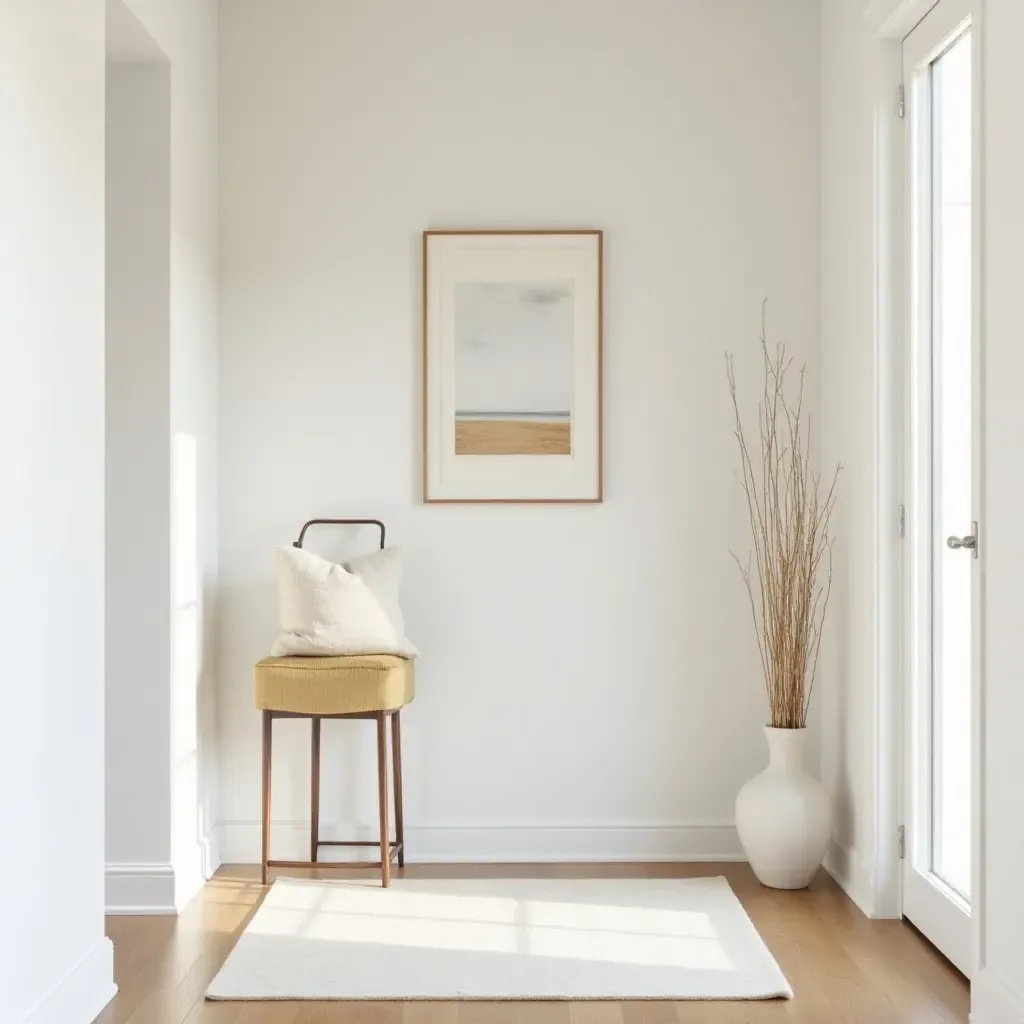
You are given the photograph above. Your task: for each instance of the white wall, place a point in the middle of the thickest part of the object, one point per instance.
(861, 338)
(138, 482)
(55, 964)
(998, 989)
(185, 31)
(849, 371)
(588, 685)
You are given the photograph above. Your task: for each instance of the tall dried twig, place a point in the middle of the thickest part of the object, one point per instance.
(790, 519)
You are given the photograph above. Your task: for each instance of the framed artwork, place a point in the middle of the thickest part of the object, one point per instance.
(512, 366)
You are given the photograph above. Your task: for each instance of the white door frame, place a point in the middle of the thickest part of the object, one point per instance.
(940, 913)
(886, 23)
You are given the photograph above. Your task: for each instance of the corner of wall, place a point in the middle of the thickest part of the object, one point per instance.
(993, 1001)
(80, 998)
(843, 864)
(210, 852)
(195, 866)
(161, 889)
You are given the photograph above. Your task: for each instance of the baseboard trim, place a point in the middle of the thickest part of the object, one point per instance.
(210, 856)
(140, 889)
(842, 864)
(993, 1001)
(194, 866)
(599, 842)
(80, 998)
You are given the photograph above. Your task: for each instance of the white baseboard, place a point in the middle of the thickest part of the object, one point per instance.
(210, 847)
(843, 864)
(993, 1001)
(140, 889)
(600, 842)
(153, 888)
(194, 866)
(188, 882)
(80, 998)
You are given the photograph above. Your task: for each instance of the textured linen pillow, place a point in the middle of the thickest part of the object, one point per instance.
(329, 609)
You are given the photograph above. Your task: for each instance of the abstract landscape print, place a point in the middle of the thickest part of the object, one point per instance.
(512, 355)
(513, 368)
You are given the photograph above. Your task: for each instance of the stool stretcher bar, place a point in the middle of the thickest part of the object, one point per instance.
(389, 850)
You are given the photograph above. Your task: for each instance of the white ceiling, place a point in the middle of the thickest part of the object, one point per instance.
(127, 40)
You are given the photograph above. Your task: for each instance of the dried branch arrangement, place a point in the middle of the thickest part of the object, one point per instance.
(790, 516)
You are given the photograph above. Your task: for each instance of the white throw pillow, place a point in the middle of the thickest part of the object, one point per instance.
(328, 609)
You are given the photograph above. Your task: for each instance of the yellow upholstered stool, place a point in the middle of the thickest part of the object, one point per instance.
(374, 687)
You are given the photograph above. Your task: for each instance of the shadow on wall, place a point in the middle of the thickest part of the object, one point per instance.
(838, 693)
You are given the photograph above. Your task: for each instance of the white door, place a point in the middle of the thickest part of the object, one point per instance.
(943, 541)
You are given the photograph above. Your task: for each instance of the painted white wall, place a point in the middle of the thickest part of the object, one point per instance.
(55, 963)
(860, 337)
(183, 807)
(998, 984)
(588, 685)
(138, 481)
(849, 364)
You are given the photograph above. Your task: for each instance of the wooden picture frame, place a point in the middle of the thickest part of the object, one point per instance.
(512, 365)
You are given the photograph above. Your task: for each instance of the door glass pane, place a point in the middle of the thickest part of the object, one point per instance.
(951, 468)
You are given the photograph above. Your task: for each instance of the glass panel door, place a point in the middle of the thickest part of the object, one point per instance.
(942, 534)
(951, 465)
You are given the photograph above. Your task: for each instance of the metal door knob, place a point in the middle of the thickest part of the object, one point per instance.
(961, 542)
(970, 541)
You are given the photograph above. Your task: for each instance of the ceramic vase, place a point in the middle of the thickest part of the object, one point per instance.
(783, 815)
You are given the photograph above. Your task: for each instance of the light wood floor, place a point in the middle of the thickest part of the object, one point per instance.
(844, 968)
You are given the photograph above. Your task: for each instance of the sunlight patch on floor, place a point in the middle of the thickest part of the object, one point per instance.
(486, 924)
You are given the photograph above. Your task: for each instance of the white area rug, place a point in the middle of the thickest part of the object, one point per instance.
(520, 938)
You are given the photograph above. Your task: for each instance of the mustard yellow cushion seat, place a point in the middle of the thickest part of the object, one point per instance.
(334, 686)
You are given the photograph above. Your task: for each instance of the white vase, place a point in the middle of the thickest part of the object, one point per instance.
(783, 815)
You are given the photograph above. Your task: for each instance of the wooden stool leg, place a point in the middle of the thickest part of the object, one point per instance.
(268, 736)
(382, 786)
(314, 828)
(396, 760)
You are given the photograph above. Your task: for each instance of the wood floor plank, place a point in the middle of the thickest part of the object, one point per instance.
(844, 968)
(488, 1013)
(652, 1012)
(602, 1012)
(544, 1012)
(204, 1012)
(514, 1012)
(266, 1013)
(346, 1013)
(434, 1012)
